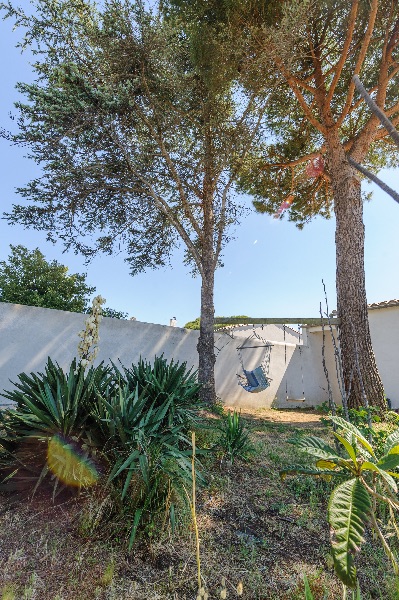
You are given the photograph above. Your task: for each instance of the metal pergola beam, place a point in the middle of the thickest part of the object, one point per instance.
(275, 321)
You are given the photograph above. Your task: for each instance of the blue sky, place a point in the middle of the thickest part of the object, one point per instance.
(271, 268)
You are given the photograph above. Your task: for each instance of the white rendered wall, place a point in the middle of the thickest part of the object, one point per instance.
(384, 327)
(28, 335)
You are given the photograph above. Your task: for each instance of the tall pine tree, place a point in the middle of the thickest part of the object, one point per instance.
(318, 123)
(141, 131)
(315, 125)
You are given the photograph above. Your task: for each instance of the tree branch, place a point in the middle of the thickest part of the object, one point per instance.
(159, 140)
(298, 161)
(160, 202)
(349, 36)
(360, 60)
(377, 111)
(301, 99)
(374, 178)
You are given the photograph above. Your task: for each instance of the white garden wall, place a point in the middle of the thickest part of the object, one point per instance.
(28, 335)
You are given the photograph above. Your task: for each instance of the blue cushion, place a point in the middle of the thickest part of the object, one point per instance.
(257, 381)
(261, 377)
(251, 378)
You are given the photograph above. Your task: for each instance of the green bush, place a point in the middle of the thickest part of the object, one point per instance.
(165, 380)
(52, 402)
(133, 423)
(148, 459)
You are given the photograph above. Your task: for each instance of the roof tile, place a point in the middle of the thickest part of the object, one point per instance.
(384, 304)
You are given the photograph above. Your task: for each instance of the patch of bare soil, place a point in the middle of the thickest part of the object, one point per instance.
(296, 418)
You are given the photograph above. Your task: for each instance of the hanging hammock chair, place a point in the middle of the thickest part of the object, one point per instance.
(257, 380)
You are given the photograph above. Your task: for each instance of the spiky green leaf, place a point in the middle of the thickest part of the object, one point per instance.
(351, 429)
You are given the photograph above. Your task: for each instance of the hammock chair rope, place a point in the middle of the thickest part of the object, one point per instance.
(257, 380)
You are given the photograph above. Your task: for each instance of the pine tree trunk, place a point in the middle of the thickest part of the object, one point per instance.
(206, 343)
(354, 332)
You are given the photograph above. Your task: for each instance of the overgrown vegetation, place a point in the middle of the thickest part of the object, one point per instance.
(121, 437)
(367, 478)
(123, 430)
(251, 527)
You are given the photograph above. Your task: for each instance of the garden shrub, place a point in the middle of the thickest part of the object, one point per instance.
(165, 380)
(124, 430)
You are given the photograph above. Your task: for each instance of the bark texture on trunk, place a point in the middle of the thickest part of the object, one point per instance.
(355, 340)
(206, 342)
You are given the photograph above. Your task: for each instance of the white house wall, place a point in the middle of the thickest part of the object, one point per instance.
(28, 335)
(384, 327)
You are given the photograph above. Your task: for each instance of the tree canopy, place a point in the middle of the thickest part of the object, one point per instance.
(316, 96)
(28, 278)
(140, 132)
(197, 322)
(113, 313)
(316, 128)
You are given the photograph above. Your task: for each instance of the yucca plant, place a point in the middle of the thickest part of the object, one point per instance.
(234, 440)
(166, 380)
(353, 503)
(52, 402)
(154, 476)
(49, 406)
(148, 459)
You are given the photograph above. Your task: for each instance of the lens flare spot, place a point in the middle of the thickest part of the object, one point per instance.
(69, 464)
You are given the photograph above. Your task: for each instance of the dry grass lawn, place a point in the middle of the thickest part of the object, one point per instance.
(253, 529)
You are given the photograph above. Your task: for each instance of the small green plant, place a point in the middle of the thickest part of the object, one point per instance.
(368, 479)
(234, 441)
(308, 592)
(52, 412)
(365, 420)
(108, 575)
(217, 408)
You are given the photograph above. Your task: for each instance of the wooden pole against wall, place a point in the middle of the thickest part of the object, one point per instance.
(274, 320)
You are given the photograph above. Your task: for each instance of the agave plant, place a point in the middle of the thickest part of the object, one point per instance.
(53, 402)
(135, 430)
(165, 380)
(352, 505)
(51, 411)
(148, 459)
